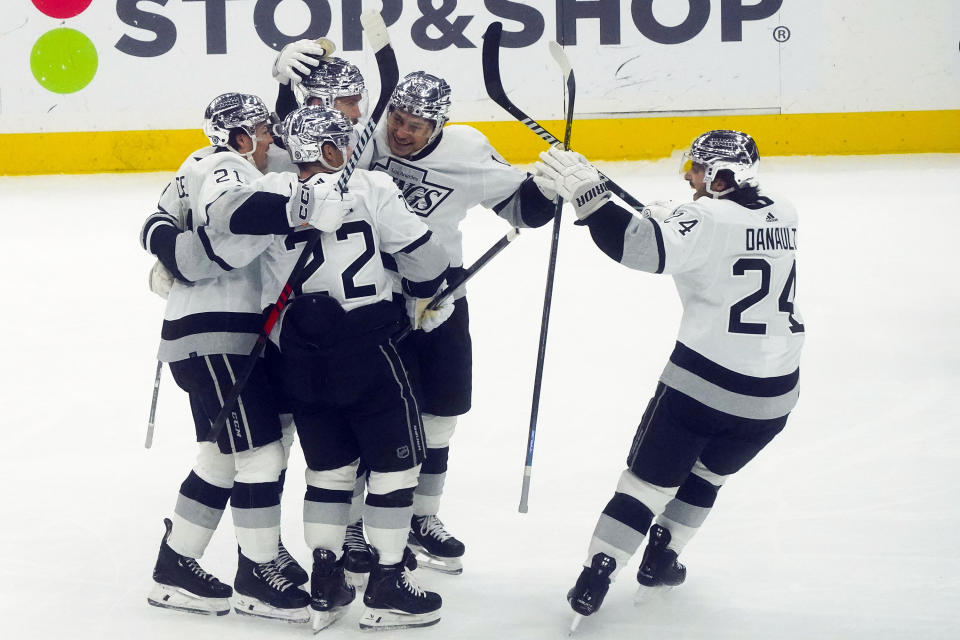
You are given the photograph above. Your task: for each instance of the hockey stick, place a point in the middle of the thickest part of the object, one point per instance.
(470, 271)
(153, 405)
(379, 39)
(491, 78)
(557, 52)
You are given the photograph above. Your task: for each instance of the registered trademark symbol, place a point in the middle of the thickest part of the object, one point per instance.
(781, 34)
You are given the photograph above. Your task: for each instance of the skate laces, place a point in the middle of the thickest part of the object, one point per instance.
(284, 559)
(354, 539)
(271, 574)
(431, 526)
(195, 568)
(410, 583)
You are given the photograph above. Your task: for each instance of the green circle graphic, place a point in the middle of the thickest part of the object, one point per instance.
(63, 60)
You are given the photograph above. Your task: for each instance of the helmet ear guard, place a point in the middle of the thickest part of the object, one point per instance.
(724, 150)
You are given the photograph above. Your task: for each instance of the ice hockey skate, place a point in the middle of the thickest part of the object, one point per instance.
(659, 569)
(394, 600)
(289, 567)
(433, 545)
(262, 591)
(588, 593)
(330, 595)
(181, 583)
(358, 556)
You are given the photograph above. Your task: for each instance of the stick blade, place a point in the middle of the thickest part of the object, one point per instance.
(490, 59)
(375, 29)
(561, 57)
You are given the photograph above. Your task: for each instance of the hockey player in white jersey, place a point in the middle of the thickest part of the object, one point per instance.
(443, 172)
(317, 79)
(211, 322)
(352, 397)
(733, 376)
(336, 84)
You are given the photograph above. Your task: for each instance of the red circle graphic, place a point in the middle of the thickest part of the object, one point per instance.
(61, 8)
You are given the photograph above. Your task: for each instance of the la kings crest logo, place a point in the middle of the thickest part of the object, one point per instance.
(422, 196)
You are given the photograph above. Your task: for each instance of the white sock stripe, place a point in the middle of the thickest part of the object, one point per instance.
(700, 470)
(340, 479)
(655, 498)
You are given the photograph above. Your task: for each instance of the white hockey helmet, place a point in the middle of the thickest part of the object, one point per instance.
(231, 111)
(724, 149)
(332, 78)
(427, 96)
(306, 130)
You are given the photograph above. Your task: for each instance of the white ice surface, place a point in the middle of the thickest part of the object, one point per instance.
(846, 526)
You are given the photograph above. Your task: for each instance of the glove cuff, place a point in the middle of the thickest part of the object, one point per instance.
(590, 199)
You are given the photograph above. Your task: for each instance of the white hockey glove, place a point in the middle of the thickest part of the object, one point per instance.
(545, 183)
(575, 179)
(320, 205)
(429, 319)
(297, 59)
(660, 210)
(161, 280)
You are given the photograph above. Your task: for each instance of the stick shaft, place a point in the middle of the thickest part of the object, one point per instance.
(153, 406)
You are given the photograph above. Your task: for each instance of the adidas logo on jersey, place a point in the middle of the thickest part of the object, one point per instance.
(771, 218)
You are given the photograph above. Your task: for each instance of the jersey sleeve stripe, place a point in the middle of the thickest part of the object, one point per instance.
(419, 242)
(152, 223)
(208, 248)
(661, 253)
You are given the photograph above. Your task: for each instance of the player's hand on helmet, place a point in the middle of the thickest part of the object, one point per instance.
(574, 178)
(161, 280)
(422, 317)
(295, 61)
(660, 210)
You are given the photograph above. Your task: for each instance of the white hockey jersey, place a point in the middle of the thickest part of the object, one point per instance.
(734, 266)
(278, 161)
(347, 264)
(454, 173)
(218, 311)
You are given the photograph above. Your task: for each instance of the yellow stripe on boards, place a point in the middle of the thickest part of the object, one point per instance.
(776, 135)
(599, 139)
(97, 151)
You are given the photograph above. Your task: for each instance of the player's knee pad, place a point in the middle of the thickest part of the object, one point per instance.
(340, 479)
(701, 470)
(260, 464)
(384, 482)
(653, 496)
(438, 430)
(214, 467)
